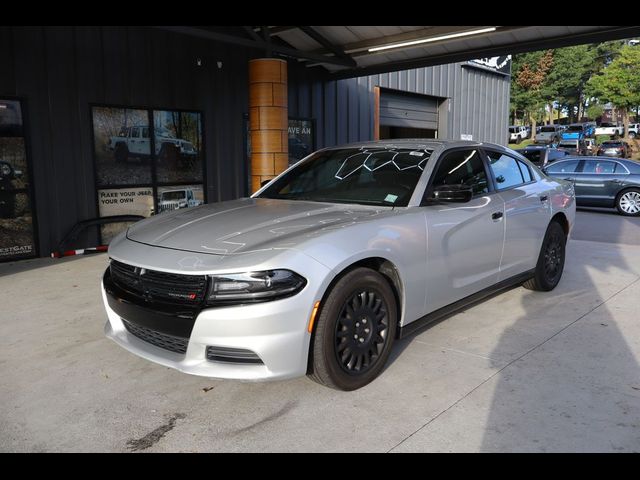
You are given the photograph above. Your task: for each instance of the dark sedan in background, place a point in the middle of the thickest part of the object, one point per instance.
(601, 181)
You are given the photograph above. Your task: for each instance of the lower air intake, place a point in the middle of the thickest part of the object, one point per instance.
(232, 355)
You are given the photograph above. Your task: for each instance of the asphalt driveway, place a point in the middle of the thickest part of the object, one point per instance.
(522, 371)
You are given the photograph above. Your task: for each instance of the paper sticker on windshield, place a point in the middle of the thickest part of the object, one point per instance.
(391, 198)
(416, 154)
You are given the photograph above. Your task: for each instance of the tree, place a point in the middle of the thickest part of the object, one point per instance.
(619, 83)
(530, 90)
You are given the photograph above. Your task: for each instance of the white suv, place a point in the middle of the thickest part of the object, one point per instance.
(517, 134)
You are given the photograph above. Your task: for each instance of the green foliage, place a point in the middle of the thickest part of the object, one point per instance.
(619, 82)
(595, 110)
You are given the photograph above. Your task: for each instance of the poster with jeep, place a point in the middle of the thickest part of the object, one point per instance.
(16, 219)
(179, 196)
(142, 156)
(123, 201)
(178, 145)
(301, 138)
(122, 146)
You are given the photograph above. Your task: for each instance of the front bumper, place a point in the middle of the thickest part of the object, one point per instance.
(276, 331)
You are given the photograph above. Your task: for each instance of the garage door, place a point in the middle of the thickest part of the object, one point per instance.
(407, 110)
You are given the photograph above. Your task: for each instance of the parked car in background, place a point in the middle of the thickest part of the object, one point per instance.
(590, 145)
(615, 148)
(601, 182)
(548, 134)
(541, 155)
(573, 147)
(633, 129)
(611, 129)
(575, 131)
(248, 289)
(517, 134)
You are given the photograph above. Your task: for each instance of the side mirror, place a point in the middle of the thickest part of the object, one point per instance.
(452, 193)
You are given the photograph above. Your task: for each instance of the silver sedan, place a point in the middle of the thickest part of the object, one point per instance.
(320, 270)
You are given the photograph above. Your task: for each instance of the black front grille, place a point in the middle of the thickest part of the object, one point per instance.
(159, 286)
(162, 340)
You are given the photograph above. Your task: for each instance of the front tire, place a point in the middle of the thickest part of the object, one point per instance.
(628, 202)
(354, 331)
(550, 260)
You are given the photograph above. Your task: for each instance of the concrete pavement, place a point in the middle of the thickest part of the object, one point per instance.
(522, 371)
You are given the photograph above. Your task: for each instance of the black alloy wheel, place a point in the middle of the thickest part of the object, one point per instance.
(361, 331)
(550, 261)
(354, 332)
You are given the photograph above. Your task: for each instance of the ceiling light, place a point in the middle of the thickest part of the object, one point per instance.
(433, 39)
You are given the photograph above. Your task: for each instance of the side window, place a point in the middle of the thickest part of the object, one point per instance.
(462, 167)
(135, 132)
(620, 168)
(506, 170)
(145, 132)
(598, 166)
(568, 166)
(526, 173)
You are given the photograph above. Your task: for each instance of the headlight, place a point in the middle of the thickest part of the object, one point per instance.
(252, 287)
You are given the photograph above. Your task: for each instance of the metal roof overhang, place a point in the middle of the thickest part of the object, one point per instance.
(344, 51)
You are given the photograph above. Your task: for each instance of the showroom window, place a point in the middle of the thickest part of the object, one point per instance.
(147, 161)
(17, 225)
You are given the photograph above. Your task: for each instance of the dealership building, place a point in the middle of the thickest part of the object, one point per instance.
(98, 122)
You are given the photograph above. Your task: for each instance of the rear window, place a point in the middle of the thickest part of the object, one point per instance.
(611, 144)
(568, 144)
(548, 129)
(574, 128)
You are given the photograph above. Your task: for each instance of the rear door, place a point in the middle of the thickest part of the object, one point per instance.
(526, 212)
(598, 181)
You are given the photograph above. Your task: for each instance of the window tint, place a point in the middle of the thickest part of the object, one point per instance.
(568, 166)
(506, 170)
(462, 167)
(598, 166)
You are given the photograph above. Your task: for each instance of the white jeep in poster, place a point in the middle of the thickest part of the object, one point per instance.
(134, 141)
(178, 198)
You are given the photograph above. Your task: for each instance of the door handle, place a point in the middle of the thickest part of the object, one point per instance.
(544, 198)
(496, 215)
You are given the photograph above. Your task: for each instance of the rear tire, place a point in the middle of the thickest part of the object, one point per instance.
(628, 202)
(550, 260)
(354, 331)
(518, 140)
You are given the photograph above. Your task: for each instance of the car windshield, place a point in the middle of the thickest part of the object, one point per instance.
(574, 128)
(512, 130)
(179, 195)
(367, 176)
(548, 129)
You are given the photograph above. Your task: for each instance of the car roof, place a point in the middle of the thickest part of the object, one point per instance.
(417, 144)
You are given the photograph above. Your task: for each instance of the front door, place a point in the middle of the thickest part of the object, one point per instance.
(464, 239)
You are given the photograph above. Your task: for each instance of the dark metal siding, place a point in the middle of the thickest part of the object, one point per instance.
(60, 71)
(478, 102)
(407, 110)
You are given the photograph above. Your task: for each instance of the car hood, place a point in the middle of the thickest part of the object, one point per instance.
(247, 225)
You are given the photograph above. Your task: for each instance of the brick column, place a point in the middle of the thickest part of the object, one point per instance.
(268, 119)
